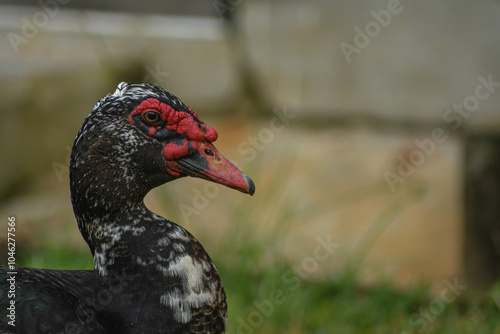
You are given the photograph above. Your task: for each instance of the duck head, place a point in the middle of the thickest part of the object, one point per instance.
(187, 143)
(148, 135)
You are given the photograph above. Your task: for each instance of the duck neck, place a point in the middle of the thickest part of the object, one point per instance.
(130, 239)
(107, 226)
(111, 171)
(101, 207)
(124, 236)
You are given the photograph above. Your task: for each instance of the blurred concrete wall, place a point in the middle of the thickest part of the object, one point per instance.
(400, 59)
(394, 58)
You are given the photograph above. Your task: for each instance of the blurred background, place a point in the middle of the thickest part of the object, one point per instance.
(371, 130)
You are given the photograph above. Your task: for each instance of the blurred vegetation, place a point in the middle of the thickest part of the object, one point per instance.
(266, 295)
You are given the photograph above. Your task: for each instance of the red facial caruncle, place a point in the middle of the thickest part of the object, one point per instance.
(182, 129)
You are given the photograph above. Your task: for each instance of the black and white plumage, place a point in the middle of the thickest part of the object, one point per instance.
(151, 275)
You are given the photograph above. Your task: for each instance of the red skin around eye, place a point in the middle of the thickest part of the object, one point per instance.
(184, 123)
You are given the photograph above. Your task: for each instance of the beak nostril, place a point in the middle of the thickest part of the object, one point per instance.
(209, 152)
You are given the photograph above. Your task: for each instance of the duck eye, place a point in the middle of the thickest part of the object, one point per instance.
(151, 117)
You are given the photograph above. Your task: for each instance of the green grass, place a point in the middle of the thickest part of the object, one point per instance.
(53, 257)
(272, 299)
(341, 305)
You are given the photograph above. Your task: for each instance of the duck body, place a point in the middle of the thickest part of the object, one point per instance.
(175, 290)
(151, 275)
(38, 306)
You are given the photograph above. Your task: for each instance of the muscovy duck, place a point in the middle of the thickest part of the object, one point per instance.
(151, 275)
